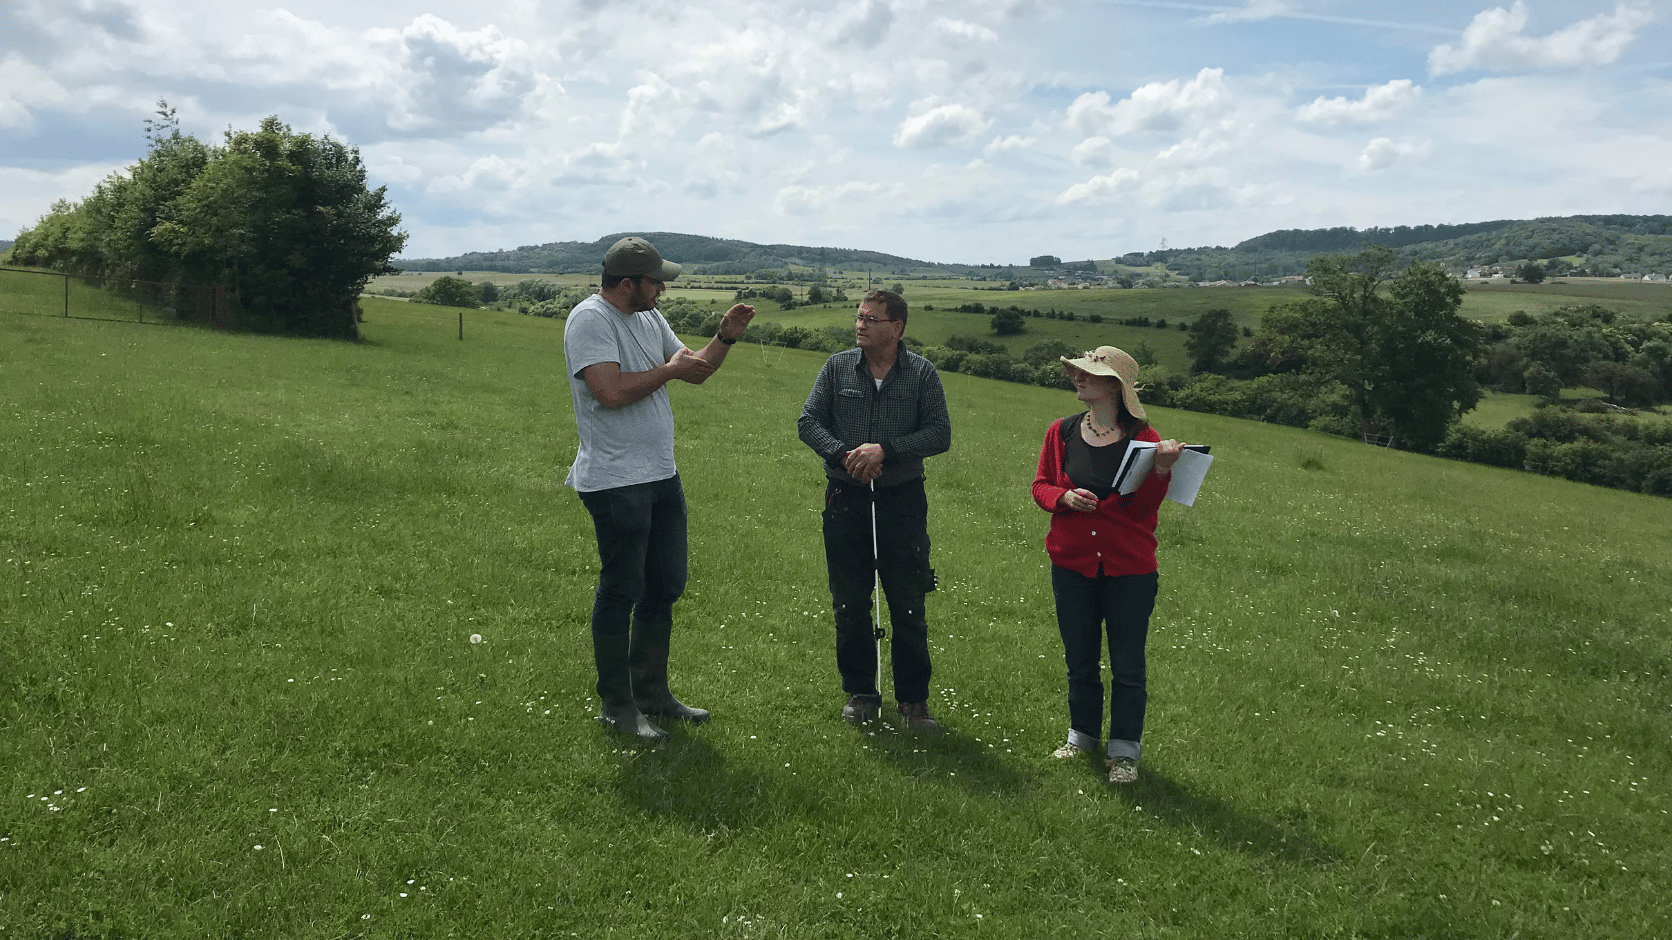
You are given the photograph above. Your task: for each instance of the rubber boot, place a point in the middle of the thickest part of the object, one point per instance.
(615, 690)
(648, 667)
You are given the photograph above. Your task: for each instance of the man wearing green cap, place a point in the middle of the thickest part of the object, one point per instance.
(620, 355)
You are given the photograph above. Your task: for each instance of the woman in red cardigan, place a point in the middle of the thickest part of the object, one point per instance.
(1102, 548)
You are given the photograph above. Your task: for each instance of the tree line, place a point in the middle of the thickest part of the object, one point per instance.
(283, 222)
(1583, 245)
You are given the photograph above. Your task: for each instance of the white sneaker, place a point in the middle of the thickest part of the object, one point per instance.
(1123, 770)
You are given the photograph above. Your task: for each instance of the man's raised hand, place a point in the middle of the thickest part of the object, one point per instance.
(736, 321)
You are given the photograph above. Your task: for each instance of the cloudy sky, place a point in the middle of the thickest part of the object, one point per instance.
(972, 131)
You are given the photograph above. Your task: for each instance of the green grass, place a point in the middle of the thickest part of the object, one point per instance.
(1497, 409)
(34, 293)
(1248, 305)
(1391, 696)
(1492, 301)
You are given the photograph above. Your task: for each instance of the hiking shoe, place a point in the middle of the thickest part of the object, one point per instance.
(917, 715)
(1123, 770)
(861, 709)
(628, 720)
(1069, 750)
(667, 706)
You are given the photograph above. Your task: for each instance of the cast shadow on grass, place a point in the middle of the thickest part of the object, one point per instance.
(686, 781)
(945, 757)
(1171, 802)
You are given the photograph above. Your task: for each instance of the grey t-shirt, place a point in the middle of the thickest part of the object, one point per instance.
(633, 443)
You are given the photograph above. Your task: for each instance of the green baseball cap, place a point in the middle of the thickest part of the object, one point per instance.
(634, 257)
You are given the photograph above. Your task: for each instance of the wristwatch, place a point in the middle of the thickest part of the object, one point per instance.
(722, 338)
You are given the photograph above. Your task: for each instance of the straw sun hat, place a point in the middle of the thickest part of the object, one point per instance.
(1107, 360)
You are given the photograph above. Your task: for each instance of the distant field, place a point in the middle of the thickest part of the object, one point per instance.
(1492, 301)
(1497, 409)
(1391, 696)
(1247, 305)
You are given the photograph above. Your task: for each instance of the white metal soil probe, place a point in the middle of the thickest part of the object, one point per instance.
(876, 586)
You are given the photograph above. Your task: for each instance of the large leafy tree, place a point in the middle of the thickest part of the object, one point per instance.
(1211, 339)
(1008, 322)
(1427, 354)
(449, 291)
(282, 221)
(1393, 341)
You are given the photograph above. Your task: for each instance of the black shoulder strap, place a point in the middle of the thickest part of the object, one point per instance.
(1069, 428)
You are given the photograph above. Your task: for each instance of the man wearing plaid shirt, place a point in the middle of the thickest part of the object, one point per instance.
(874, 413)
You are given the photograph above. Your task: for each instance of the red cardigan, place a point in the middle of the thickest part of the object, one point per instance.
(1118, 538)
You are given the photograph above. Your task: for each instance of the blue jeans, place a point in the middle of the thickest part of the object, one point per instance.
(642, 570)
(1086, 609)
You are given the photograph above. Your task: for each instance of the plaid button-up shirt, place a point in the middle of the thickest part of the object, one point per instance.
(907, 416)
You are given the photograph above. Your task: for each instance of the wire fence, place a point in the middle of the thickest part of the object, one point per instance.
(29, 292)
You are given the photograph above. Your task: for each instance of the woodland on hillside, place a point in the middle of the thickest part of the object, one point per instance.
(1596, 245)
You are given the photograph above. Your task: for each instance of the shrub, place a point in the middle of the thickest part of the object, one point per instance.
(1338, 425)
(1157, 385)
(1497, 448)
(1288, 399)
(1052, 375)
(1213, 394)
(944, 358)
(450, 292)
(1048, 352)
(971, 345)
(997, 366)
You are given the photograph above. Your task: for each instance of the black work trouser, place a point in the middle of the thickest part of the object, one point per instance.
(902, 559)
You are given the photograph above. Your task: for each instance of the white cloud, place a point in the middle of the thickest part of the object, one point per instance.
(963, 29)
(1378, 104)
(23, 88)
(1158, 106)
(1252, 10)
(1099, 188)
(1093, 151)
(1385, 152)
(867, 24)
(1496, 39)
(26, 195)
(1010, 142)
(813, 200)
(654, 109)
(505, 122)
(942, 125)
(393, 169)
(1206, 145)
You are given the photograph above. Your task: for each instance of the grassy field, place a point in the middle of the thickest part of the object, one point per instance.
(1491, 301)
(1391, 696)
(1485, 301)
(32, 293)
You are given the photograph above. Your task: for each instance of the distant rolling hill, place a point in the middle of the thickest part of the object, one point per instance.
(1605, 245)
(701, 253)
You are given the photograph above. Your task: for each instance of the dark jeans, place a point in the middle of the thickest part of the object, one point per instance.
(902, 520)
(1086, 608)
(642, 567)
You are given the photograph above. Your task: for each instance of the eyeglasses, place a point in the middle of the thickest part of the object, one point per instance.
(872, 321)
